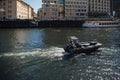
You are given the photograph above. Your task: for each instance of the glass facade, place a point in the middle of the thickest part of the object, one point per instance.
(60, 1)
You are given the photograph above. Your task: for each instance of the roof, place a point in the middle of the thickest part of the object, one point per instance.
(72, 38)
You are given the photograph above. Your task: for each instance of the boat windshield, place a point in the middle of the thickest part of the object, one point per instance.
(73, 38)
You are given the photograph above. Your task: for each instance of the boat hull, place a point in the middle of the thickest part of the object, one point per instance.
(86, 49)
(100, 24)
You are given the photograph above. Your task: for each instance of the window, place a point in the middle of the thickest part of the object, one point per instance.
(46, 5)
(44, 14)
(68, 2)
(10, 2)
(4, 8)
(9, 16)
(4, 13)
(74, 2)
(82, 14)
(3, 4)
(77, 14)
(9, 6)
(9, 11)
(54, 1)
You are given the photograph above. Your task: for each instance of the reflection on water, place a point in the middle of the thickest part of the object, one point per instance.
(36, 54)
(20, 39)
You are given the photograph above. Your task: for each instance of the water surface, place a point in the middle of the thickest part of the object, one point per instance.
(36, 54)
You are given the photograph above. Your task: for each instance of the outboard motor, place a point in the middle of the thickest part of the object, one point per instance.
(67, 48)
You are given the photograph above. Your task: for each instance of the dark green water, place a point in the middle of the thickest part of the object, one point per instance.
(36, 54)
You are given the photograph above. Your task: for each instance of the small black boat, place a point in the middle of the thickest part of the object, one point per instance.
(75, 47)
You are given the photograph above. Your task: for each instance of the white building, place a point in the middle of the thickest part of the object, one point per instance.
(15, 9)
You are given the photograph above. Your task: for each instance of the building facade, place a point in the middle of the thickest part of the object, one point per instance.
(76, 9)
(50, 10)
(99, 8)
(64, 9)
(115, 7)
(15, 9)
(39, 14)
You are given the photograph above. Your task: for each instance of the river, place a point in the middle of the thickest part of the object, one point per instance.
(36, 54)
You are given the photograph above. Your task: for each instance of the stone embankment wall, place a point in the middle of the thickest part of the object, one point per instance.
(61, 23)
(40, 24)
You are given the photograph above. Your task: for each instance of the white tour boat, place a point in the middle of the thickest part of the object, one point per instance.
(105, 23)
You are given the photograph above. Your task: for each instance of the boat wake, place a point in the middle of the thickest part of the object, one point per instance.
(52, 52)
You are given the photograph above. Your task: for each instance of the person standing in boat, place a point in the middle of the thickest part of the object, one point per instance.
(75, 44)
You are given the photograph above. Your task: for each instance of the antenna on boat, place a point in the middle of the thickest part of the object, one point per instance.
(113, 13)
